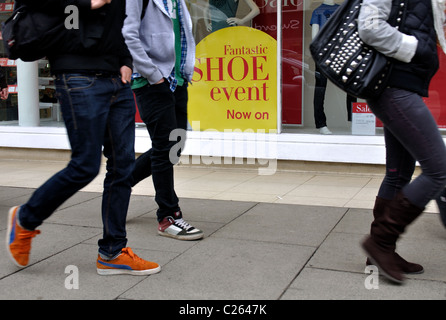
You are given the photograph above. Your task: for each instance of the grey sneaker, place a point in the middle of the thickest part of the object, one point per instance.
(178, 229)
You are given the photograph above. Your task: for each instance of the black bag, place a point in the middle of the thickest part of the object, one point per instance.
(30, 34)
(345, 59)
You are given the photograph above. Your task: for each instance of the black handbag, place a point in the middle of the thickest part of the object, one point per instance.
(345, 59)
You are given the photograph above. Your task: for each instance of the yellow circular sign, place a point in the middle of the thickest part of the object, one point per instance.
(234, 83)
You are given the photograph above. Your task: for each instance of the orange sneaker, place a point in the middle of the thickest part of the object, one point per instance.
(126, 263)
(18, 240)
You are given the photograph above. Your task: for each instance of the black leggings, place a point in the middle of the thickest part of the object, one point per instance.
(411, 134)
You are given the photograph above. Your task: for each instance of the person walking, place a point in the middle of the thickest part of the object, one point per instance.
(159, 37)
(410, 131)
(92, 71)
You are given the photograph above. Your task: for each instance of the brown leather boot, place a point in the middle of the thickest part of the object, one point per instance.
(406, 266)
(380, 245)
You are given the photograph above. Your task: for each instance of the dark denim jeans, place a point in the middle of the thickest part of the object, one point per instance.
(411, 134)
(99, 115)
(163, 111)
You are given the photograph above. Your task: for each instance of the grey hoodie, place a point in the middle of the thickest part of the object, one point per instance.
(151, 41)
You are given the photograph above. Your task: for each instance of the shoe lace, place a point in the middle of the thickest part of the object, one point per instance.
(24, 238)
(182, 224)
(132, 255)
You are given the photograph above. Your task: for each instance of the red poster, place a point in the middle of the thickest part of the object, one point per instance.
(6, 7)
(292, 30)
(437, 93)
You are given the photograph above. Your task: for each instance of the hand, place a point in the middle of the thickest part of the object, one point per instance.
(96, 4)
(126, 74)
(4, 94)
(208, 26)
(159, 82)
(234, 21)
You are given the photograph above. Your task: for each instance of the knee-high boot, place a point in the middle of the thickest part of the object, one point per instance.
(380, 245)
(406, 267)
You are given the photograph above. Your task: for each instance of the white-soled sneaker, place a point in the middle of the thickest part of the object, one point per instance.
(325, 130)
(178, 229)
(126, 263)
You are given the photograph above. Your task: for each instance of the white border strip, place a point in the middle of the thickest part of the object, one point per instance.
(285, 146)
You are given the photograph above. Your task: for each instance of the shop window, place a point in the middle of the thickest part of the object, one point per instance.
(8, 108)
(48, 106)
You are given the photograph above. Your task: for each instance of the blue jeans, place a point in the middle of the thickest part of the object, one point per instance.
(162, 111)
(99, 115)
(411, 134)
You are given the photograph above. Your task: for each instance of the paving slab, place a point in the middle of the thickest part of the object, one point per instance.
(219, 268)
(284, 223)
(322, 284)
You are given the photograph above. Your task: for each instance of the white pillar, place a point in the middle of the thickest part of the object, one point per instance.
(28, 93)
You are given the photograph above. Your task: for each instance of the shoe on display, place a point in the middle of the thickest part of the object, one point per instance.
(325, 130)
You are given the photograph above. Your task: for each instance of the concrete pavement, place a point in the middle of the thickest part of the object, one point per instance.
(251, 250)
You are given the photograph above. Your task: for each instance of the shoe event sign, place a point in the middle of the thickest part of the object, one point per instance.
(234, 86)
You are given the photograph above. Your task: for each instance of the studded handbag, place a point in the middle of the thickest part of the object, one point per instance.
(345, 59)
